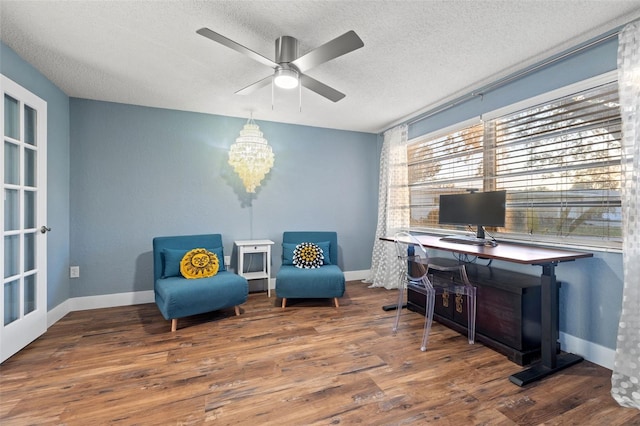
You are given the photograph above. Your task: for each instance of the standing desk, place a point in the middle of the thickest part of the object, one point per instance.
(548, 259)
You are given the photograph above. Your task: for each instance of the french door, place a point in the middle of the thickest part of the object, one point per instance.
(23, 299)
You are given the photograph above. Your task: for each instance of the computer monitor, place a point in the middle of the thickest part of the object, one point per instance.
(474, 209)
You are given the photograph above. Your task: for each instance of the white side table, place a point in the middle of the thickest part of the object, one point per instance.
(256, 246)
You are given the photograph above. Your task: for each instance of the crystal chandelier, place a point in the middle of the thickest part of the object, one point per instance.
(251, 156)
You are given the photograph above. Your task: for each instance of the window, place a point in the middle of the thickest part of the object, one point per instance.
(447, 164)
(559, 162)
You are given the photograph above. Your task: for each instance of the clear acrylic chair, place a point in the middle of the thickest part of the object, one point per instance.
(417, 273)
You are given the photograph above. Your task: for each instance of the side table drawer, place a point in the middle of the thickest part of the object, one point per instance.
(255, 249)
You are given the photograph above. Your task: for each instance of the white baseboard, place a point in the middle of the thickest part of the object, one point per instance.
(132, 298)
(356, 275)
(590, 351)
(111, 300)
(97, 302)
(57, 313)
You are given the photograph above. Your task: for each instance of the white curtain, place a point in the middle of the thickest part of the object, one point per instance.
(625, 381)
(393, 207)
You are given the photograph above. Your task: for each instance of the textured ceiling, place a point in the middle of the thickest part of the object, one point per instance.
(416, 54)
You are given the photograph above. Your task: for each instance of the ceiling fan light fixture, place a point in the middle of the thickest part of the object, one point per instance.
(286, 78)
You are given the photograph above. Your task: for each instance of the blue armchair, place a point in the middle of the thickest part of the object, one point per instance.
(326, 281)
(178, 297)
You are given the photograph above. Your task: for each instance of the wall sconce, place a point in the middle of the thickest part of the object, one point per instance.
(251, 156)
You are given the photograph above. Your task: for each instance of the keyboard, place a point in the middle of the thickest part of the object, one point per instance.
(461, 239)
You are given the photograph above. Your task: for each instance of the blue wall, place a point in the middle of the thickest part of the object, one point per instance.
(139, 172)
(14, 67)
(591, 292)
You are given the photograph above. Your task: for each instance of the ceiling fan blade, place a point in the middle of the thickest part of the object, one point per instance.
(321, 88)
(255, 86)
(206, 32)
(339, 46)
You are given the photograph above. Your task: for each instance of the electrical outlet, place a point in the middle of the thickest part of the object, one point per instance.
(74, 272)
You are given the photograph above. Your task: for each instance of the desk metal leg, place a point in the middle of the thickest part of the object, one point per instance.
(550, 361)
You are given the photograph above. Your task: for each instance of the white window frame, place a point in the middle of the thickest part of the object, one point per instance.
(565, 91)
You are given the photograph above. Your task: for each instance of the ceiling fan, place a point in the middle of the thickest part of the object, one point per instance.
(290, 68)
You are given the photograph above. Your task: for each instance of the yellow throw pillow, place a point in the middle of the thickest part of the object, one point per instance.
(199, 263)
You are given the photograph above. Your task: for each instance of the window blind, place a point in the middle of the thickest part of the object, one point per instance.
(559, 162)
(444, 165)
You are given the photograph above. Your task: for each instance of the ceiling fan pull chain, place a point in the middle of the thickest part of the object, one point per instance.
(272, 94)
(300, 97)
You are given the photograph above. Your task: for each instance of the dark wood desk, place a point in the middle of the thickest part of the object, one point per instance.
(548, 259)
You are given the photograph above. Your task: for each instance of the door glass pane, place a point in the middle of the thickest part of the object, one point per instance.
(11, 163)
(29, 252)
(29, 167)
(11, 255)
(11, 117)
(11, 204)
(29, 294)
(29, 209)
(29, 125)
(11, 302)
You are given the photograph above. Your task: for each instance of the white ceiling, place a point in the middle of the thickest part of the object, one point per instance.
(416, 54)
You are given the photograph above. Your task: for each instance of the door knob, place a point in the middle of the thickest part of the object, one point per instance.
(44, 229)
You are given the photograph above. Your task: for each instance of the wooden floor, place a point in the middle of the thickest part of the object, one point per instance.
(309, 364)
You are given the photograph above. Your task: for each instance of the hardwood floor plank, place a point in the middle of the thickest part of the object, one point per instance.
(309, 364)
